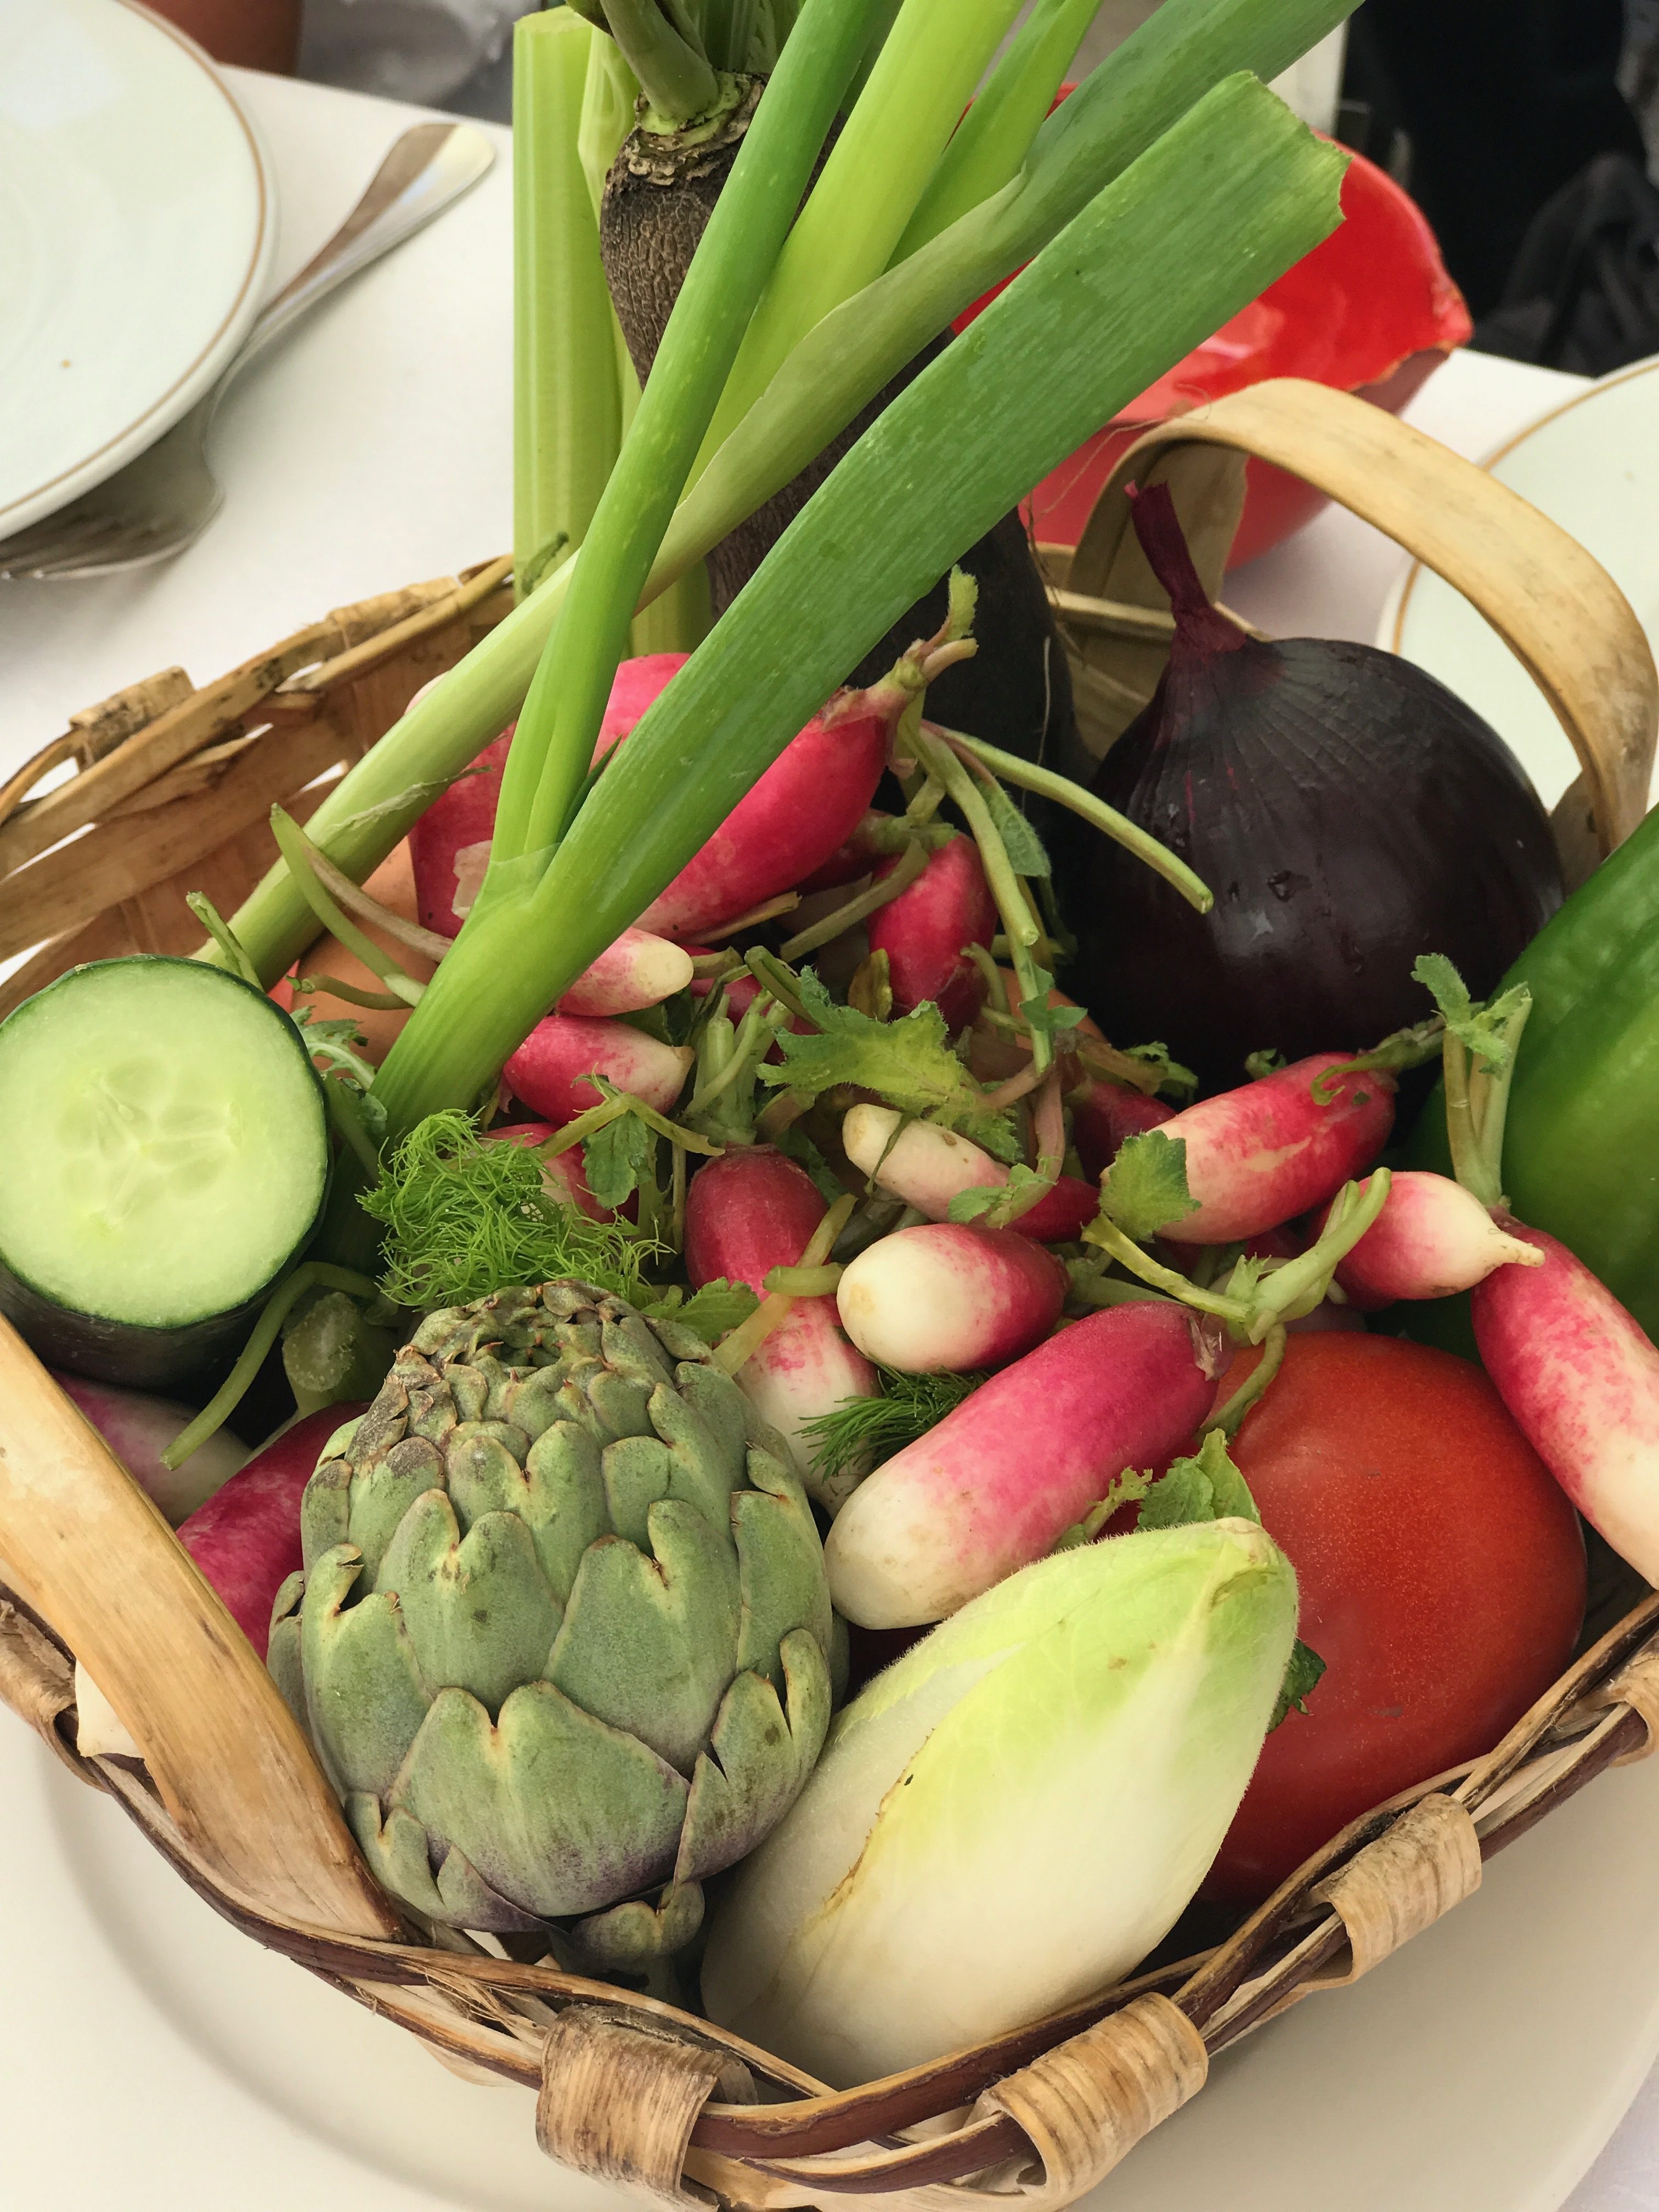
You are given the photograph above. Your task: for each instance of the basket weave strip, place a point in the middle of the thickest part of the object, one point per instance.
(620, 2105)
(1395, 1887)
(1635, 1685)
(1087, 2104)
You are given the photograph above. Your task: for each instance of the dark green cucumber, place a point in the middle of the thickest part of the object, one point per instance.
(166, 1155)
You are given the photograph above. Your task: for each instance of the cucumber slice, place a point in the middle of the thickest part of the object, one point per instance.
(167, 1142)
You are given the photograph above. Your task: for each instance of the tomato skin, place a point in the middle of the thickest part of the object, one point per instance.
(1441, 1576)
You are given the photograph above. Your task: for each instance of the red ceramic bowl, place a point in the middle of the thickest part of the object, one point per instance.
(1372, 311)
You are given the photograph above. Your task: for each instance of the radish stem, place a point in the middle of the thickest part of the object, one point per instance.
(300, 855)
(1230, 1416)
(912, 861)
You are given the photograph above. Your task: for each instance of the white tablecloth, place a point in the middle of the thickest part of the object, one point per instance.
(373, 448)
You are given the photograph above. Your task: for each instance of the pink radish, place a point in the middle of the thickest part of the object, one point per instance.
(924, 932)
(1260, 1154)
(1105, 1113)
(550, 1069)
(927, 1167)
(138, 1429)
(561, 1170)
(857, 856)
(802, 808)
(449, 846)
(639, 970)
(993, 1484)
(745, 1213)
(1581, 1380)
(246, 1539)
(1432, 1238)
(945, 1296)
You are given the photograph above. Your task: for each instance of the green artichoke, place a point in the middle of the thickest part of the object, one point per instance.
(562, 1638)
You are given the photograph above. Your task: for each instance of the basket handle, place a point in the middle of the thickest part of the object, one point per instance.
(1555, 606)
(83, 1546)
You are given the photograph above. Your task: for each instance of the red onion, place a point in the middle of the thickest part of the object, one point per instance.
(1348, 812)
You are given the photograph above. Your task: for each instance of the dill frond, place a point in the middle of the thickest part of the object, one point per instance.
(864, 1432)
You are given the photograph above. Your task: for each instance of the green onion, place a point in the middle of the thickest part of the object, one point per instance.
(1138, 93)
(995, 135)
(567, 413)
(1192, 231)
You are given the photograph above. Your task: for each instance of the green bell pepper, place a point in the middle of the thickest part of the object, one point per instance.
(1581, 1151)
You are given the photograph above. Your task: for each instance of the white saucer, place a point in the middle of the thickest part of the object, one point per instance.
(143, 2041)
(1591, 464)
(138, 223)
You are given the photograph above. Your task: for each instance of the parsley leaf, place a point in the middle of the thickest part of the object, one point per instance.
(1302, 1678)
(910, 1062)
(617, 1158)
(710, 1313)
(1207, 1487)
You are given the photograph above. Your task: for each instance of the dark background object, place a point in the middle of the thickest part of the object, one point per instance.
(1502, 102)
(1584, 291)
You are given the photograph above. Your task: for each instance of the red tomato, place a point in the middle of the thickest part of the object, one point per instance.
(1442, 1575)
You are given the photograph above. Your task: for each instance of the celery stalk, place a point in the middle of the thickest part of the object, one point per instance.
(567, 419)
(1213, 212)
(995, 135)
(554, 743)
(923, 80)
(1121, 109)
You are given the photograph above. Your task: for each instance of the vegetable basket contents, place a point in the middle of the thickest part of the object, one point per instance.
(826, 1346)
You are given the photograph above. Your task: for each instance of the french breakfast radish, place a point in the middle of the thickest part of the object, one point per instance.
(138, 1429)
(638, 970)
(925, 930)
(747, 1212)
(1581, 1380)
(449, 845)
(1272, 1149)
(927, 1166)
(950, 1297)
(550, 1069)
(1103, 1114)
(1431, 1239)
(790, 821)
(993, 1485)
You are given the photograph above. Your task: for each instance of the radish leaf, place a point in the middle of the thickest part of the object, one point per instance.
(1145, 1189)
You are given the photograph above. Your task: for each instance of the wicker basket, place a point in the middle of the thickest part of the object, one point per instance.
(173, 790)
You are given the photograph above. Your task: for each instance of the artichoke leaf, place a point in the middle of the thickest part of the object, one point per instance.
(633, 1936)
(704, 1470)
(550, 1805)
(484, 1469)
(628, 1346)
(325, 1510)
(781, 1559)
(382, 1493)
(366, 1698)
(477, 1607)
(621, 1402)
(564, 1506)
(759, 1757)
(649, 1644)
(283, 1659)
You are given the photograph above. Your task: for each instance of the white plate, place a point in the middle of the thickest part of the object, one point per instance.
(137, 222)
(151, 2056)
(1591, 464)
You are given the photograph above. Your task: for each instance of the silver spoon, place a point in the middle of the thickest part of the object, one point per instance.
(164, 500)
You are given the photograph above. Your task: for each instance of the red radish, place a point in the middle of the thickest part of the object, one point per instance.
(924, 932)
(788, 823)
(856, 856)
(1103, 1114)
(992, 1486)
(927, 1167)
(745, 1213)
(449, 845)
(246, 1539)
(1581, 1378)
(563, 1170)
(1431, 1239)
(639, 684)
(639, 970)
(550, 1069)
(950, 1297)
(1260, 1154)
(138, 1429)
(1441, 1580)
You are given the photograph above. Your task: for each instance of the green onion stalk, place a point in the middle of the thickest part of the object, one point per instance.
(1120, 109)
(1239, 185)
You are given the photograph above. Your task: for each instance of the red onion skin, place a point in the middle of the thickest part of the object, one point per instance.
(1347, 812)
